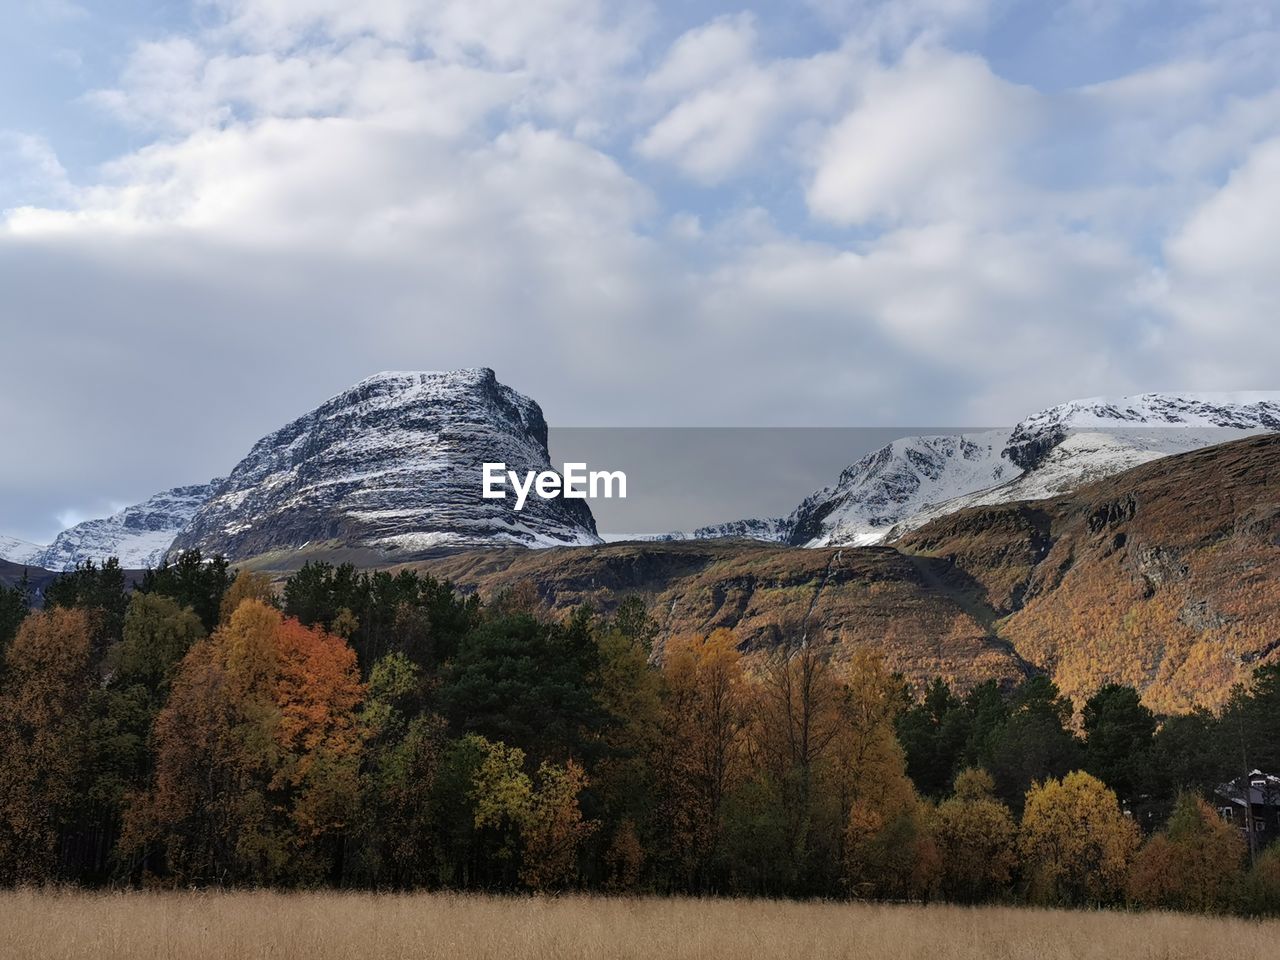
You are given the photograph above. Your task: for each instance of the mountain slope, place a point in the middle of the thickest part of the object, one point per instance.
(139, 535)
(896, 482)
(391, 466)
(901, 605)
(1165, 577)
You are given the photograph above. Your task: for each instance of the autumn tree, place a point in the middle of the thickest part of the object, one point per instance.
(256, 755)
(628, 691)
(1260, 889)
(137, 672)
(700, 757)
(793, 808)
(100, 591)
(976, 837)
(888, 851)
(541, 819)
(554, 829)
(1075, 842)
(247, 585)
(1194, 864)
(42, 701)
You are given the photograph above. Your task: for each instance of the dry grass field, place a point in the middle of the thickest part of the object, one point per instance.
(326, 926)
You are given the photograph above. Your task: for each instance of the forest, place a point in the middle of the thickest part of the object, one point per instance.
(370, 730)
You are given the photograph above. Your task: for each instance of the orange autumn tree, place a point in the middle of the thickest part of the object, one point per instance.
(257, 754)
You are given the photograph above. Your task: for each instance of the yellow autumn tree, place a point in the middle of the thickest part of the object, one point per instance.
(246, 586)
(1075, 842)
(554, 828)
(546, 816)
(257, 753)
(888, 851)
(976, 837)
(703, 716)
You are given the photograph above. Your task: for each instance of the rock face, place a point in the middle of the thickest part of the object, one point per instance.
(139, 535)
(904, 607)
(391, 467)
(911, 481)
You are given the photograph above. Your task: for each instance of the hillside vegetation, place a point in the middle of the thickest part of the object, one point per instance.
(1165, 578)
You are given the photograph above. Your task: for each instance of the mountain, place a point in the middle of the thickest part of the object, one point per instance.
(774, 530)
(911, 481)
(390, 468)
(895, 483)
(1078, 442)
(1165, 576)
(139, 535)
(19, 551)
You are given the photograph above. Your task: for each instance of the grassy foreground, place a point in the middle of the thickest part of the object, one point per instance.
(245, 926)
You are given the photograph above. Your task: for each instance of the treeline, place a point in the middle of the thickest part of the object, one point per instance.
(382, 731)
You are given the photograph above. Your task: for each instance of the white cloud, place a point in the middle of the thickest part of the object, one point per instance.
(721, 103)
(30, 171)
(932, 137)
(1223, 279)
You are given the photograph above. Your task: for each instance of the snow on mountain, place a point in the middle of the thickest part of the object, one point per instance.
(139, 535)
(392, 465)
(19, 551)
(908, 482)
(896, 482)
(773, 530)
(1199, 416)
(1078, 442)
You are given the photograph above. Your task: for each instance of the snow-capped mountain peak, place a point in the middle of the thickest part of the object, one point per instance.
(20, 551)
(896, 481)
(391, 465)
(139, 535)
(907, 482)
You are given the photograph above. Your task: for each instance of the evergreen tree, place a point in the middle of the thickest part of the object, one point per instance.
(1119, 732)
(194, 581)
(101, 591)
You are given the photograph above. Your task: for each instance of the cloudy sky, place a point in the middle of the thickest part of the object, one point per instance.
(215, 214)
